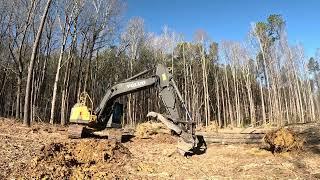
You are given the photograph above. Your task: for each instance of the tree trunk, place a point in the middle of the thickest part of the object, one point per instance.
(26, 118)
(86, 78)
(218, 101)
(18, 100)
(55, 86)
(65, 91)
(2, 101)
(66, 82)
(64, 95)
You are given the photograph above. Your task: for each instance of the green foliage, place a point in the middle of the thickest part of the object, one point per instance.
(270, 30)
(275, 26)
(313, 65)
(261, 29)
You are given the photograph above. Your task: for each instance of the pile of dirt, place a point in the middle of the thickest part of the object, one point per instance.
(148, 129)
(79, 160)
(163, 139)
(97, 150)
(154, 132)
(283, 140)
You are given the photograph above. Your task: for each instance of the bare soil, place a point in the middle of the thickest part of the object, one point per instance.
(45, 152)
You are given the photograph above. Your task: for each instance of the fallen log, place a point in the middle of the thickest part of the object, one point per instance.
(256, 135)
(233, 138)
(233, 135)
(232, 141)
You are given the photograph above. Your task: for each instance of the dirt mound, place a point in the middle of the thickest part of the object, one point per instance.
(283, 140)
(147, 129)
(78, 160)
(163, 139)
(154, 132)
(54, 161)
(92, 151)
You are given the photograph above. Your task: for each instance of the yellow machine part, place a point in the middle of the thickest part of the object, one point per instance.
(81, 114)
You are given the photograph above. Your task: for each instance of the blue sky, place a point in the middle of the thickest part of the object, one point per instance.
(230, 19)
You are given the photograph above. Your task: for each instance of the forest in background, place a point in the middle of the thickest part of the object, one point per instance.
(52, 50)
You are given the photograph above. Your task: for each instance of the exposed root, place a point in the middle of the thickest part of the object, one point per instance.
(283, 140)
(147, 129)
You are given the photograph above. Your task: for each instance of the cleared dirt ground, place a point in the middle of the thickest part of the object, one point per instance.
(44, 151)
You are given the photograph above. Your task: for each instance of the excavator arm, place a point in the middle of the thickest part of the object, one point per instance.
(162, 80)
(104, 110)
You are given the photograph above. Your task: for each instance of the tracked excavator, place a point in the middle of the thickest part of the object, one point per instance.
(108, 114)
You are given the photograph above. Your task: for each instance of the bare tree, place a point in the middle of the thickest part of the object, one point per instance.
(103, 16)
(26, 117)
(65, 30)
(133, 37)
(201, 37)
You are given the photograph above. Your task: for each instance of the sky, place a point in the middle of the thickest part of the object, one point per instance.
(230, 19)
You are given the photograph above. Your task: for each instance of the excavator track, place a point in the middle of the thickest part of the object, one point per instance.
(76, 131)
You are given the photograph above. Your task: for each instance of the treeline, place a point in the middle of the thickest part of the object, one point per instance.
(85, 46)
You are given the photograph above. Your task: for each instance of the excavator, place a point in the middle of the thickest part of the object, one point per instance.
(107, 115)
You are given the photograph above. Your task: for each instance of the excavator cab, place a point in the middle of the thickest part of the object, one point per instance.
(116, 114)
(81, 112)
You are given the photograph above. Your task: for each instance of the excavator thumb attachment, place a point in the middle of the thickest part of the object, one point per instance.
(187, 142)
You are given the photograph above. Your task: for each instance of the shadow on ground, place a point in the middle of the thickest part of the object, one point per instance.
(312, 138)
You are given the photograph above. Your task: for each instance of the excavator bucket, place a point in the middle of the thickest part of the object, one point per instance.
(188, 143)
